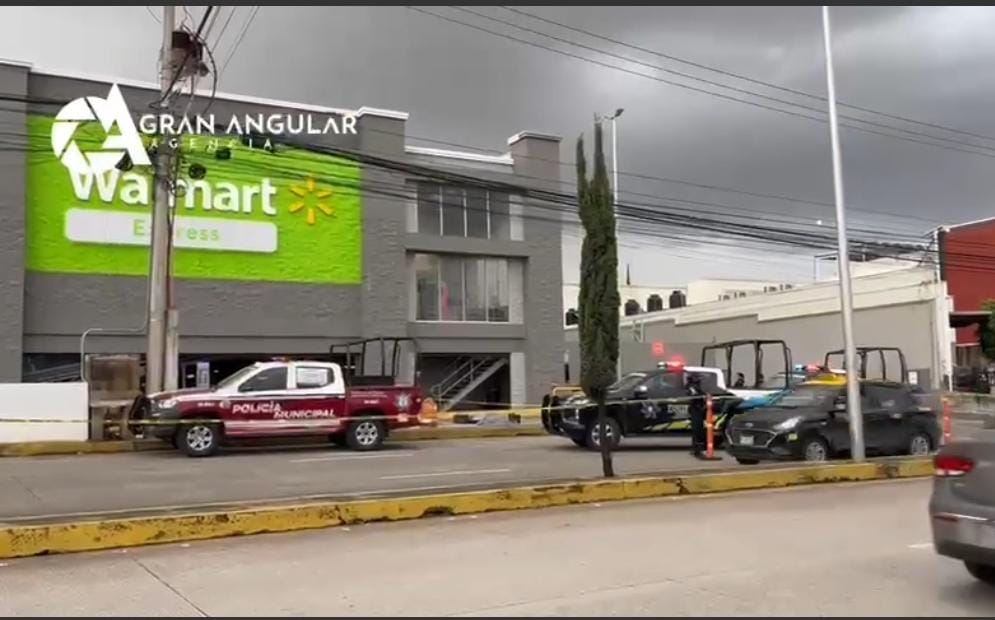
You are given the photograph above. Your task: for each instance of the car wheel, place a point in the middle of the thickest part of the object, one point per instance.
(981, 572)
(365, 435)
(815, 449)
(199, 439)
(919, 445)
(742, 461)
(613, 430)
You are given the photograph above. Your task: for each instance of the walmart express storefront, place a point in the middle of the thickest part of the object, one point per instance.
(283, 244)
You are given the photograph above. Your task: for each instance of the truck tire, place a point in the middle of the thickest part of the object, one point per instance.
(198, 439)
(981, 572)
(365, 434)
(614, 434)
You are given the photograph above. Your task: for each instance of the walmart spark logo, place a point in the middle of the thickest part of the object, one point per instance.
(311, 200)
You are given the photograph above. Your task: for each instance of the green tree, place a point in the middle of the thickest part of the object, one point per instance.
(987, 330)
(599, 299)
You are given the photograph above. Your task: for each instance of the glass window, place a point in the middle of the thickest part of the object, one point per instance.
(266, 380)
(709, 382)
(500, 216)
(427, 279)
(310, 377)
(476, 213)
(453, 221)
(476, 288)
(429, 208)
(451, 286)
(497, 290)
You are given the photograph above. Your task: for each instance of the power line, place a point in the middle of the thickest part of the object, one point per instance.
(737, 89)
(186, 55)
(745, 78)
(986, 152)
(221, 33)
(567, 164)
(241, 35)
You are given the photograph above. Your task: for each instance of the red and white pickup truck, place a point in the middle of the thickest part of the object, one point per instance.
(279, 399)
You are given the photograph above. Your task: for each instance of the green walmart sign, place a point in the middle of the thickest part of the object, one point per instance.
(284, 216)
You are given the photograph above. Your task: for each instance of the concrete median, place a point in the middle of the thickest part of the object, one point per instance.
(97, 533)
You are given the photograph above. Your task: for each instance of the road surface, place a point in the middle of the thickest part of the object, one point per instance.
(52, 488)
(44, 489)
(842, 550)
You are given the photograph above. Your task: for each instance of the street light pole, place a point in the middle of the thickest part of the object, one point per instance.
(843, 263)
(615, 196)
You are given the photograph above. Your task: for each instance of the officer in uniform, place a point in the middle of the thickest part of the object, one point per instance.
(696, 411)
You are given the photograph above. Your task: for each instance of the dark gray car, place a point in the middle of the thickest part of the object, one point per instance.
(962, 508)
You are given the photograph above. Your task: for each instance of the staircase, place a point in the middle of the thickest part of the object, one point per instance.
(463, 377)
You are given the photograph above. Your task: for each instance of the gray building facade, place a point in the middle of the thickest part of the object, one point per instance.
(481, 293)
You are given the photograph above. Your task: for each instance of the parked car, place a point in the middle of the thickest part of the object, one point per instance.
(635, 408)
(279, 399)
(962, 506)
(809, 422)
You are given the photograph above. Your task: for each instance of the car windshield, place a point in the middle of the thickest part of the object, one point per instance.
(808, 396)
(627, 382)
(237, 377)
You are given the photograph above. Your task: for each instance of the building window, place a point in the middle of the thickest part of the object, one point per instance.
(455, 211)
(467, 288)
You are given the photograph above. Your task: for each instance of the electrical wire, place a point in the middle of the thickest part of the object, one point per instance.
(745, 78)
(186, 57)
(238, 41)
(984, 152)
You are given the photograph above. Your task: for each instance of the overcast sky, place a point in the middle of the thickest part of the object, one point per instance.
(468, 87)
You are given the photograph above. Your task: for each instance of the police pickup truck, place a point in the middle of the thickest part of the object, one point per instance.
(279, 399)
(653, 403)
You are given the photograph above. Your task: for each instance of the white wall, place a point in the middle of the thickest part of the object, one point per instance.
(44, 401)
(706, 291)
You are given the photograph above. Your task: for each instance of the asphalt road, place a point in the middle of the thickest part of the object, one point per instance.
(40, 489)
(54, 488)
(842, 550)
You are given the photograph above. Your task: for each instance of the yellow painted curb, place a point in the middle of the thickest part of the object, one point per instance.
(21, 541)
(50, 448)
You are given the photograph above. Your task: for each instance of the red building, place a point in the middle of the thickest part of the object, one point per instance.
(967, 264)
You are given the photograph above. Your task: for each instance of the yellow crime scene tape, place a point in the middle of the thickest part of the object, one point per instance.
(426, 417)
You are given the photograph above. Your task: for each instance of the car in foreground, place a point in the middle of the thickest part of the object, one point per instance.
(810, 422)
(962, 505)
(279, 399)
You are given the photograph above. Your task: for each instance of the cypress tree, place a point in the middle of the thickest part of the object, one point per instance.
(599, 299)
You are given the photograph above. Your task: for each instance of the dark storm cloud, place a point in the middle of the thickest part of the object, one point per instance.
(473, 88)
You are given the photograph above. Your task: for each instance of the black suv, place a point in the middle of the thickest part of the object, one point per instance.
(637, 406)
(810, 423)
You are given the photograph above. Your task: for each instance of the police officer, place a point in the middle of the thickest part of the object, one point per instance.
(696, 411)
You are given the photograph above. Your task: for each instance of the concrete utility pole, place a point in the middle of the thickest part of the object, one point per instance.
(155, 353)
(843, 263)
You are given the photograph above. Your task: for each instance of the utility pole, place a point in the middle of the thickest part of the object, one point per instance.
(843, 263)
(155, 353)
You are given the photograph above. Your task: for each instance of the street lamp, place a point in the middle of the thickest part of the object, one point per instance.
(615, 194)
(614, 118)
(843, 262)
